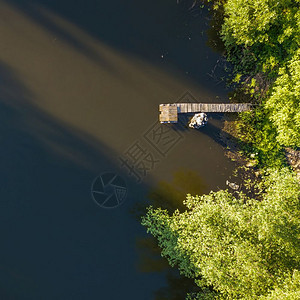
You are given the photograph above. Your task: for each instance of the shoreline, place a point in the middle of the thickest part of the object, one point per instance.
(233, 151)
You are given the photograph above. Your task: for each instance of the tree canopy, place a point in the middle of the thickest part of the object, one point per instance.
(242, 247)
(266, 32)
(262, 39)
(284, 103)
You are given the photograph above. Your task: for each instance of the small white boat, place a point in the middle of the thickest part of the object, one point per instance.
(198, 120)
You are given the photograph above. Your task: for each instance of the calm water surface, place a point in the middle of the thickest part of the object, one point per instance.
(80, 85)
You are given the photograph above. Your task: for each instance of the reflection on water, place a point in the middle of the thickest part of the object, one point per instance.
(177, 286)
(150, 259)
(213, 32)
(170, 195)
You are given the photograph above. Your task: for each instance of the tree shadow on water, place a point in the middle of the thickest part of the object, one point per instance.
(150, 261)
(157, 32)
(53, 233)
(170, 196)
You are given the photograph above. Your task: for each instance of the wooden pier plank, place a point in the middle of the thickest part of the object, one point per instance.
(169, 112)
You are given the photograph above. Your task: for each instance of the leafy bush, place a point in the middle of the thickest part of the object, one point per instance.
(284, 103)
(242, 247)
(259, 135)
(261, 35)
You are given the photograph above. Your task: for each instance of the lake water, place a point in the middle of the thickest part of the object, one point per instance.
(80, 86)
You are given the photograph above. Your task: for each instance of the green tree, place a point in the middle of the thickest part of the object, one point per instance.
(284, 103)
(262, 40)
(242, 247)
(290, 290)
(261, 35)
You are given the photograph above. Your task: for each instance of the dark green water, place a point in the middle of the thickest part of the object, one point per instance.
(80, 85)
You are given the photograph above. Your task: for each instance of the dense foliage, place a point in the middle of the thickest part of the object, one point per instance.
(261, 35)
(235, 247)
(284, 103)
(262, 40)
(242, 247)
(259, 135)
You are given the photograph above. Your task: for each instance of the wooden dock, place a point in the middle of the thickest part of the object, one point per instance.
(169, 112)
